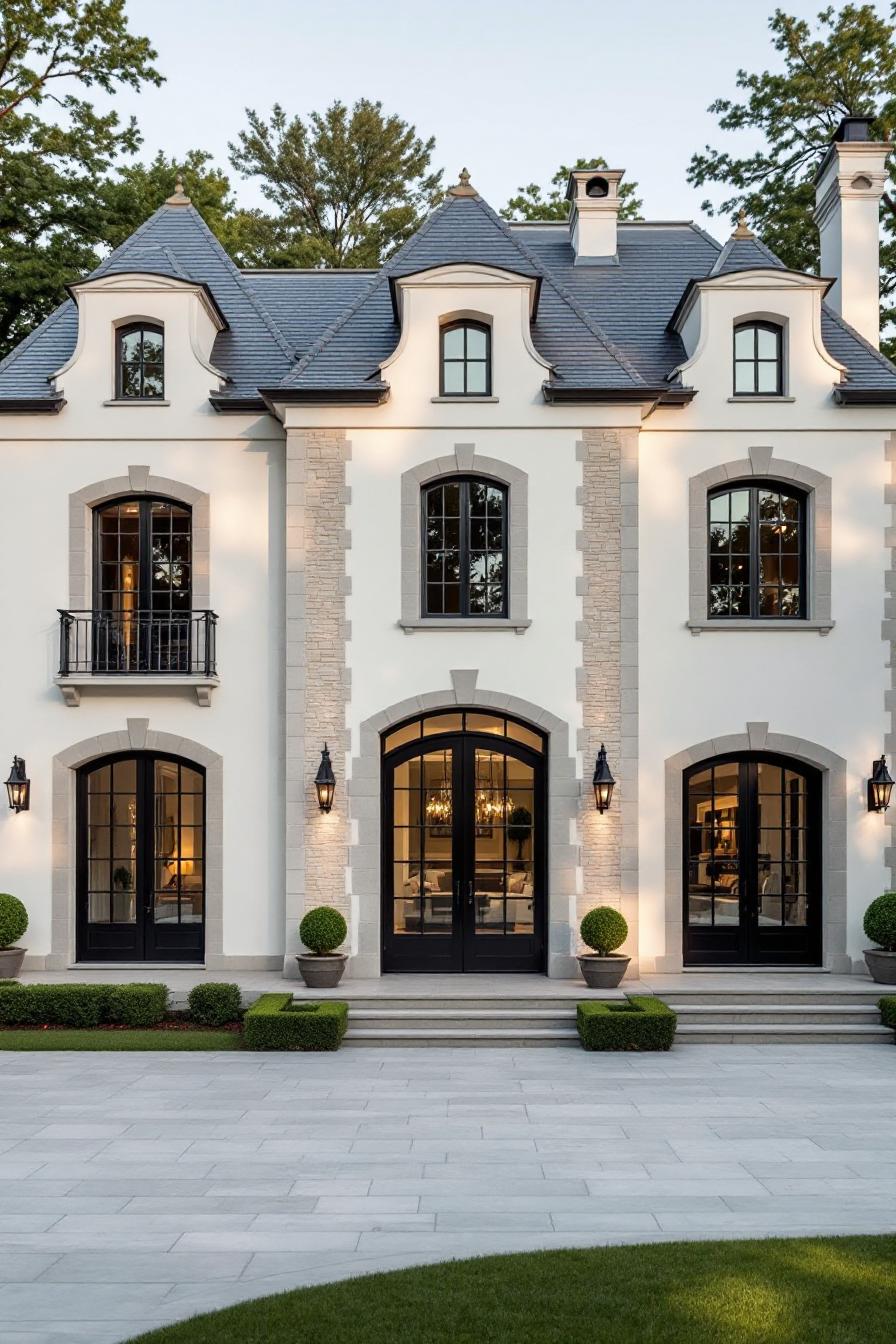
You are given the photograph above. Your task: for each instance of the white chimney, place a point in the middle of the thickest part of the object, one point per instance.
(848, 188)
(593, 194)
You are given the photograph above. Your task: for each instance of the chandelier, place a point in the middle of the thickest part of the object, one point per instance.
(438, 807)
(490, 804)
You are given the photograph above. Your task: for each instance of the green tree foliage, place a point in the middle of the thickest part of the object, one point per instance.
(137, 189)
(52, 214)
(349, 185)
(530, 203)
(844, 65)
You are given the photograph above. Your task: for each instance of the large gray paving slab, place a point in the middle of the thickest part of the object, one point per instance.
(139, 1190)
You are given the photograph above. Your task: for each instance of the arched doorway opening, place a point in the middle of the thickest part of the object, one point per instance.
(752, 861)
(464, 843)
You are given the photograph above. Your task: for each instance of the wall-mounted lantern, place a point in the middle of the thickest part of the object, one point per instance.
(880, 787)
(18, 786)
(325, 781)
(603, 781)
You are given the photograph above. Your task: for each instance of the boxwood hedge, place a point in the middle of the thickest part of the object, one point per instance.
(76, 1005)
(887, 1006)
(275, 1022)
(640, 1022)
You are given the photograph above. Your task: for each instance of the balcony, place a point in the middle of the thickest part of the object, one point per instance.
(136, 650)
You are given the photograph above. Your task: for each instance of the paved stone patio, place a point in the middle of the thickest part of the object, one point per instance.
(138, 1189)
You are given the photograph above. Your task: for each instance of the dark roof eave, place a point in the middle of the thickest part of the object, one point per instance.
(865, 396)
(324, 396)
(250, 403)
(31, 405)
(660, 396)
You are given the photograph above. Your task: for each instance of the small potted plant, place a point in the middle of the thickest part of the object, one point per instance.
(322, 930)
(603, 929)
(880, 926)
(13, 923)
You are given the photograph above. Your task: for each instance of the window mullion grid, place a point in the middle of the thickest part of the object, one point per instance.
(754, 552)
(465, 534)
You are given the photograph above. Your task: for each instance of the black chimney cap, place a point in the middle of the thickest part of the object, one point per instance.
(854, 128)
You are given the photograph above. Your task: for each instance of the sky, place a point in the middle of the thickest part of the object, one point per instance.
(509, 88)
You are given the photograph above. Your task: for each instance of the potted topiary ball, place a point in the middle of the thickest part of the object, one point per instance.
(880, 926)
(13, 923)
(603, 929)
(322, 930)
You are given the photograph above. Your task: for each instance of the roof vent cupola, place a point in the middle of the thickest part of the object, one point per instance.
(593, 195)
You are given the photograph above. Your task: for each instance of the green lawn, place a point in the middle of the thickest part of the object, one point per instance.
(95, 1038)
(823, 1290)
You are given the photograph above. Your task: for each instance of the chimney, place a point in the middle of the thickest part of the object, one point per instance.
(593, 194)
(848, 187)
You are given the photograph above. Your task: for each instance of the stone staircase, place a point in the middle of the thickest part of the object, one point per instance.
(817, 1014)
(475, 1020)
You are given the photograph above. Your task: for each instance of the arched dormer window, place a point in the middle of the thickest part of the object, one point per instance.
(758, 362)
(464, 548)
(465, 360)
(139, 362)
(757, 552)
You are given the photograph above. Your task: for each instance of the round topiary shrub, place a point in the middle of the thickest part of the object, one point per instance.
(215, 1004)
(322, 930)
(880, 921)
(603, 930)
(13, 919)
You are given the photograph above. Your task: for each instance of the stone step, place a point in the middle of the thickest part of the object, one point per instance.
(740, 994)
(797, 1033)
(475, 1003)
(460, 1036)
(785, 1013)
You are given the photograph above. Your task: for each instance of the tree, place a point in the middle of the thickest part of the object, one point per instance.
(52, 214)
(531, 204)
(138, 189)
(350, 185)
(845, 67)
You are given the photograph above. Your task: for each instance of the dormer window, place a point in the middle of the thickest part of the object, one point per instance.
(139, 362)
(758, 368)
(466, 360)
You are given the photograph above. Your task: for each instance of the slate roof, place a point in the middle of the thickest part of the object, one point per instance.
(604, 329)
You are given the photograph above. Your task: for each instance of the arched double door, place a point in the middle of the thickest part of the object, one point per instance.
(140, 886)
(464, 844)
(752, 861)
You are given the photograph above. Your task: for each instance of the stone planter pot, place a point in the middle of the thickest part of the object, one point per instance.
(603, 972)
(322, 970)
(11, 959)
(881, 964)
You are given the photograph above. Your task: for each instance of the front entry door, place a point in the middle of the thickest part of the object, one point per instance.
(752, 872)
(464, 848)
(141, 860)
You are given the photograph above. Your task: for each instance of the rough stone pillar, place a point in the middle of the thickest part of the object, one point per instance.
(608, 677)
(317, 679)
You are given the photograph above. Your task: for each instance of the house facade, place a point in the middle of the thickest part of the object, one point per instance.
(528, 494)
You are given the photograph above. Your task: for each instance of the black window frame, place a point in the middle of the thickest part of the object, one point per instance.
(754, 487)
(465, 324)
(464, 613)
(145, 591)
(129, 329)
(754, 360)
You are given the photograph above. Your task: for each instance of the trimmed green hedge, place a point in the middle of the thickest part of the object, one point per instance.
(640, 1023)
(73, 1005)
(275, 1022)
(887, 1006)
(215, 1003)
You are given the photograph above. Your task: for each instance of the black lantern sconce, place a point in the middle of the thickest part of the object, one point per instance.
(603, 781)
(18, 786)
(880, 787)
(325, 781)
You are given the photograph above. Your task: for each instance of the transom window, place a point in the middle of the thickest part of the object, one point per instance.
(140, 362)
(757, 360)
(757, 561)
(464, 548)
(466, 364)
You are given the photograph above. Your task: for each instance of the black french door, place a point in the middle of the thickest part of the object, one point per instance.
(140, 859)
(752, 862)
(464, 847)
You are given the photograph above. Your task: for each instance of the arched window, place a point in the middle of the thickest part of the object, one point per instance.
(139, 362)
(466, 360)
(758, 366)
(464, 530)
(757, 552)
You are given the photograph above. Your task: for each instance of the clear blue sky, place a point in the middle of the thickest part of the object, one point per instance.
(509, 88)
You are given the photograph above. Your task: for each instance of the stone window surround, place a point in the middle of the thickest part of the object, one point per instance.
(364, 789)
(465, 461)
(760, 463)
(137, 736)
(833, 853)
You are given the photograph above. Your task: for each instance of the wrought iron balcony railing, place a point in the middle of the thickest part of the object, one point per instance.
(135, 643)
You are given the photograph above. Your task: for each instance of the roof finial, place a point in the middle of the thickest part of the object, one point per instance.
(463, 187)
(743, 229)
(180, 197)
